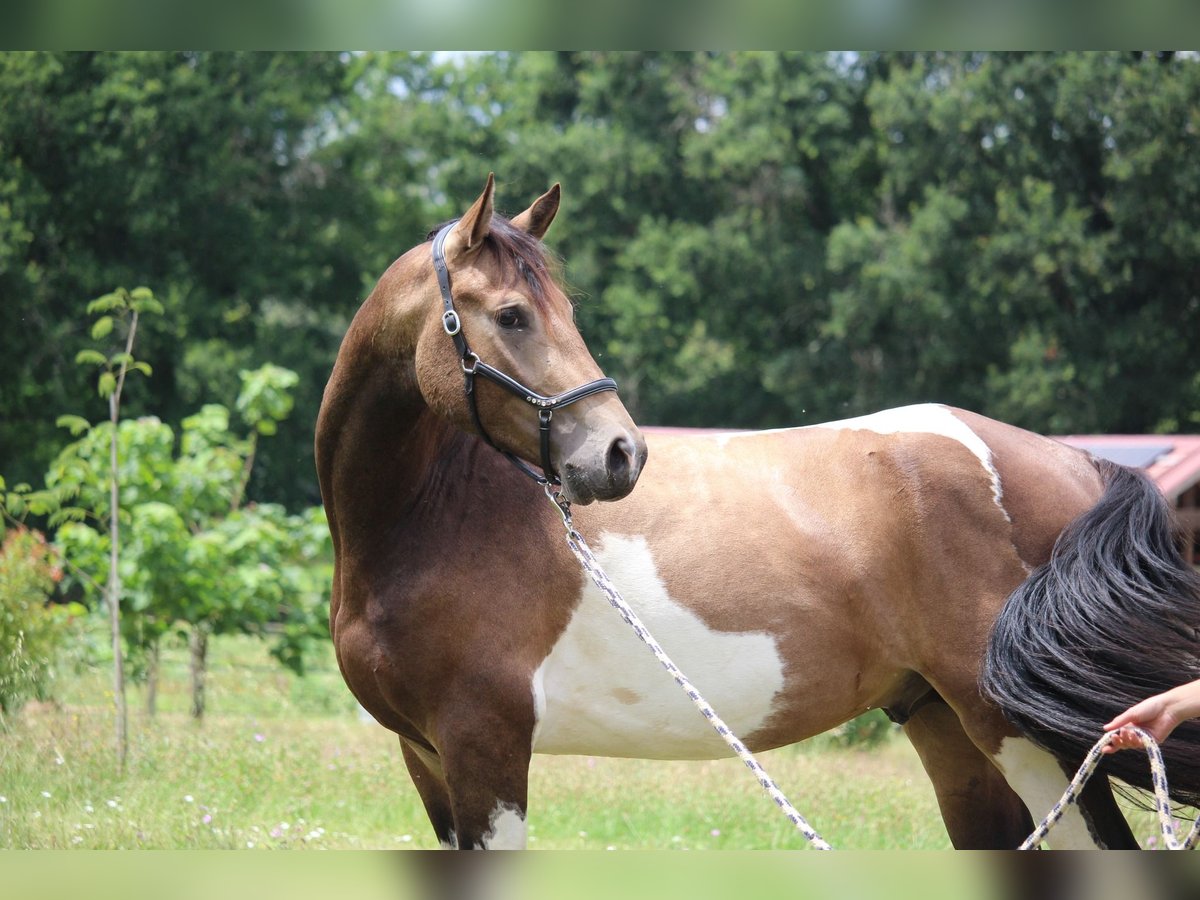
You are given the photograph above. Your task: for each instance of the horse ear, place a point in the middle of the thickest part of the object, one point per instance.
(467, 236)
(536, 220)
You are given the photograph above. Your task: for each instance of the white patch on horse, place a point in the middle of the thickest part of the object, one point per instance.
(1036, 777)
(602, 692)
(506, 828)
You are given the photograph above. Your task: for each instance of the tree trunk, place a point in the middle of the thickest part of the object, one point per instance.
(152, 659)
(114, 575)
(198, 645)
(114, 589)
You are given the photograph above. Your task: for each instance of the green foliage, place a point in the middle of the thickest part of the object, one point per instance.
(869, 730)
(266, 397)
(790, 237)
(126, 307)
(33, 631)
(261, 571)
(192, 171)
(192, 555)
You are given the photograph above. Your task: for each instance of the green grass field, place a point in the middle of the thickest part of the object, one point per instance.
(286, 762)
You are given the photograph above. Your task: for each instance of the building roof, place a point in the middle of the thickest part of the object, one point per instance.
(1172, 460)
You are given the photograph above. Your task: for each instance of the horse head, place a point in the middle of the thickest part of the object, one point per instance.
(498, 354)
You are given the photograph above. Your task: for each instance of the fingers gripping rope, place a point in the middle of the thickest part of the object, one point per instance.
(1157, 767)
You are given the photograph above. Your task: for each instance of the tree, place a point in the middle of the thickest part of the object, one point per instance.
(1033, 233)
(700, 190)
(206, 174)
(119, 313)
(196, 560)
(124, 307)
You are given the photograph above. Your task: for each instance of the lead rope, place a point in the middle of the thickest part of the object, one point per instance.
(1162, 800)
(1158, 768)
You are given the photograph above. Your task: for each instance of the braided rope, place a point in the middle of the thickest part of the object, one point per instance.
(1162, 800)
(1158, 768)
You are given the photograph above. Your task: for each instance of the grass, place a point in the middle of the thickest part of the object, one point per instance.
(287, 762)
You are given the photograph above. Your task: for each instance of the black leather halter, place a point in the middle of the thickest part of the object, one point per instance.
(472, 365)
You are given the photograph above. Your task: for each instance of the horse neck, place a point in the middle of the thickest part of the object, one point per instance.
(378, 447)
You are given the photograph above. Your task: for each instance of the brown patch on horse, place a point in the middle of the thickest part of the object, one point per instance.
(627, 696)
(868, 534)
(1039, 500)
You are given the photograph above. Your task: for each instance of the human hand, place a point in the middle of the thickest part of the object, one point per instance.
(1157, 715)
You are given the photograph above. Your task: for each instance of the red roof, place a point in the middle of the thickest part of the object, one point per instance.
(1172, 460)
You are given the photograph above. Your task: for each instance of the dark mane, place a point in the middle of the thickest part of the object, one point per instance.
(520, 257)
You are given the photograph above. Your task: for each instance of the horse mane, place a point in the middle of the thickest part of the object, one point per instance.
(520, 257)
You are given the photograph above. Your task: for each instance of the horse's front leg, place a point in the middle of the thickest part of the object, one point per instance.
(485, 750)
(425, 769)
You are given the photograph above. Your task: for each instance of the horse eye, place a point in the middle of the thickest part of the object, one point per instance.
(509, 318)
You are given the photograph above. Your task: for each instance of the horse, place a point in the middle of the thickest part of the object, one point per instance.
(800, 577)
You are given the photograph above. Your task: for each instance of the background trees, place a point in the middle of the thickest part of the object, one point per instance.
(755, 239)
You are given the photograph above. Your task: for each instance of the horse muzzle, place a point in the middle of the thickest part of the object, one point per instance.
(604, 470)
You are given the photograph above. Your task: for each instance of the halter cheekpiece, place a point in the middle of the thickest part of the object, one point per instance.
(472, 365)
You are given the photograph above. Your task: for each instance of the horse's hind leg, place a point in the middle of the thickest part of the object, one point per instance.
(1094, 822)
(980, 810)
(980, 803)
(425, 769)
(1104, 817)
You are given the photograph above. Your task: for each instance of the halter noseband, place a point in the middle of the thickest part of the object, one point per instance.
(472, 365)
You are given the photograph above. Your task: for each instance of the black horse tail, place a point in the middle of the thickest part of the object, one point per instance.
(1111, 619)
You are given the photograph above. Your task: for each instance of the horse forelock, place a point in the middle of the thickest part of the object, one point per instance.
(521, 258)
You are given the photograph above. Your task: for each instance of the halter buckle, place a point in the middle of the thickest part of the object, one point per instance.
(451, 323)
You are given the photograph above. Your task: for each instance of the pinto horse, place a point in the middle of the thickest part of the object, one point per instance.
(799, 577)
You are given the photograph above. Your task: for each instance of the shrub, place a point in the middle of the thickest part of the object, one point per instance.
(868, 730)
(32, 629)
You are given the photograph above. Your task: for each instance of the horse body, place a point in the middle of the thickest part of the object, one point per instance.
(799, 577)
(804, 576)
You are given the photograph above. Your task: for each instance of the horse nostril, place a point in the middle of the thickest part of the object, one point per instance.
(620, 457)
